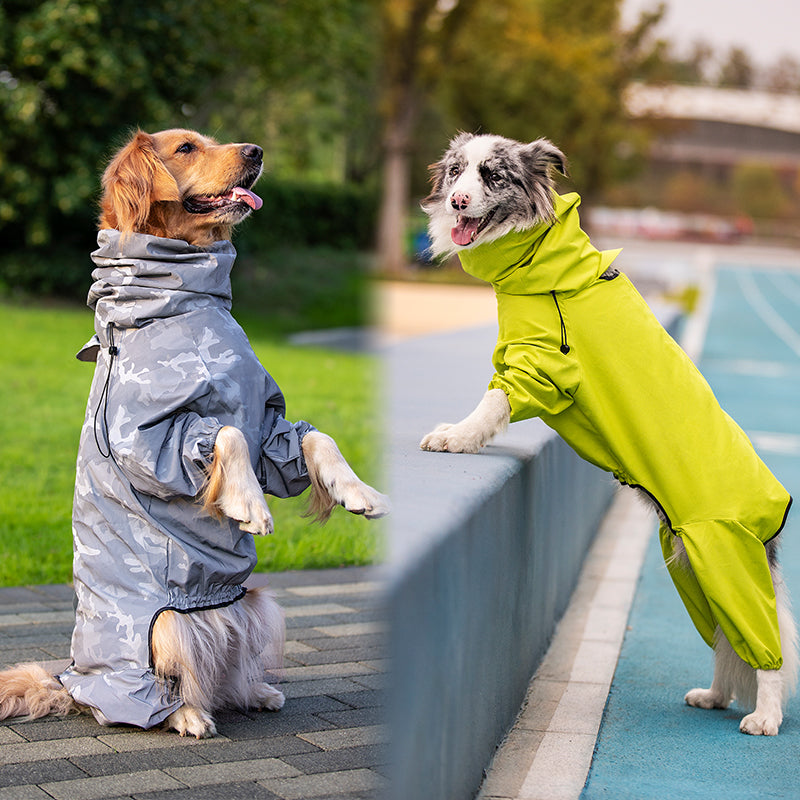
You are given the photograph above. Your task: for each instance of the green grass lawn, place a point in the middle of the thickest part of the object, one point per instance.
(43, 394)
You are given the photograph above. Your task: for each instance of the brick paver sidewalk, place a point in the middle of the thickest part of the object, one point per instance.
(327, 742)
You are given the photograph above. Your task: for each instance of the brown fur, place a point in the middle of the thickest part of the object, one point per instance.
(147, 181)
(29, 690)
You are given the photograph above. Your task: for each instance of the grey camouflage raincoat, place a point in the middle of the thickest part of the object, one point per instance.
(173, 367)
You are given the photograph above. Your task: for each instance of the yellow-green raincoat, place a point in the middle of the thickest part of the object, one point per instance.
(586, 355)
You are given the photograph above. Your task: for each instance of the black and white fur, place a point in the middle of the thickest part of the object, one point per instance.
(488, 186)
(483, 188)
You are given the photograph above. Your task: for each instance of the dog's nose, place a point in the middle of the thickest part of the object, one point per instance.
(252, 152)
(460, 200)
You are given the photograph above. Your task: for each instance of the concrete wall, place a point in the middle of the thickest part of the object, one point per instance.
(485, 552)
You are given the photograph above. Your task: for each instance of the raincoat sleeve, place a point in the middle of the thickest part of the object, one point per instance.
(168, 457)
(534, 383)
(281, 468)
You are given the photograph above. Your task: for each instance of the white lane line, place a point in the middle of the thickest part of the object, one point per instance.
(751, 368)
(787, 444)
(768, 314)
(786, 285)
(694, 334)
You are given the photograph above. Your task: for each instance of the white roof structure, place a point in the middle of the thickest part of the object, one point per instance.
(738, 106)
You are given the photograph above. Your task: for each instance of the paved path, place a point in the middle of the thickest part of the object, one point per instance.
(327, 742)
(651, 746)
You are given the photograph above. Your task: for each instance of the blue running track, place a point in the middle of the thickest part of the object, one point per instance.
(651, 745)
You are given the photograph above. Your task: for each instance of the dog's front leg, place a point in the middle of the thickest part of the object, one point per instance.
(232, 488)
(334, 482)
(468, 436)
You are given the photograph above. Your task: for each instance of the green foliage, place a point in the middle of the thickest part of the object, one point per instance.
(303, 214)
(558, 70)
(43, 395)
(287, 289)
(758, 192)
(77, 76)
(300, 80)
(73, 76)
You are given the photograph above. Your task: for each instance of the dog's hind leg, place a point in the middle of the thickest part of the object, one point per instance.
(766, 690)
(729, 671)
(186, 650)
(774, 687)
(334, 482)
(255, 650)
(191, 721)
(767, 718)
(490, 417)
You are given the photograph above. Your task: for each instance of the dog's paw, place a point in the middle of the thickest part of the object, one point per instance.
(449, 438)
(705, 698)
(267, 698)
(761, 724)
(248, 508)
(359, 498)
(191, 721)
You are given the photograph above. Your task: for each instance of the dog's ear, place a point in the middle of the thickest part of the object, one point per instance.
(539, 158)
(542, 156)
(437, 174)
(134, 180)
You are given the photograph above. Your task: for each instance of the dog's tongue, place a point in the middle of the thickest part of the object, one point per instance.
(465, 230)
(241, 195)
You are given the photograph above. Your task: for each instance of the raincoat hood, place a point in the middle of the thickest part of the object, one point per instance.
(140, 277)
(173, 367)
(552, 256)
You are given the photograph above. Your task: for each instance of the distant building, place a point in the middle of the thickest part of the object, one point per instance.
(712, 130)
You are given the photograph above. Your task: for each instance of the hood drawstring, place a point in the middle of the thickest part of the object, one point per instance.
(113, 351)
(564, 346)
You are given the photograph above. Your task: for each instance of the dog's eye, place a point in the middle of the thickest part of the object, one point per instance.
(186, 147)
(496, 177)
(454, 170)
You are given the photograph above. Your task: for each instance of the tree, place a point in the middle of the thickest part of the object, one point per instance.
(784, 76)
(737, 72)
(522, 68)
(72, 75)
(301, 77)
(76, 76)
(417, 36)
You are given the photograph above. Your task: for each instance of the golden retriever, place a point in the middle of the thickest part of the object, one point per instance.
(181, 185)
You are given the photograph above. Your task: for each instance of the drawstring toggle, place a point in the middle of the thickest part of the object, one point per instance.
(564, 346)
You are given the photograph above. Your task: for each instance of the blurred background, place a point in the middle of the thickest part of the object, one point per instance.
(691, 112)
(681, 121)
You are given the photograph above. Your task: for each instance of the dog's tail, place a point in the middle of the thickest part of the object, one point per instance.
(29, 690)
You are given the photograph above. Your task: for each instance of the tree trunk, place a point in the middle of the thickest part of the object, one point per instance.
(393, 214)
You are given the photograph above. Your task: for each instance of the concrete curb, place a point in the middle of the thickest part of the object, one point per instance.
(548, 752)
(486, 550)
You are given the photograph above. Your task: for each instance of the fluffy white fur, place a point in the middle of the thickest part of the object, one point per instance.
(496, 183)
(219, 659)
(490, 417)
